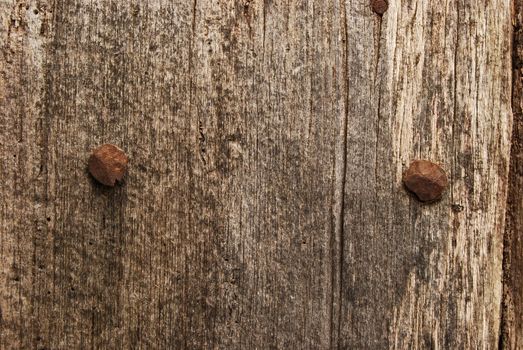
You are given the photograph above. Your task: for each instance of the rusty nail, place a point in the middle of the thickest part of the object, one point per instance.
(108, 164)
(427, 180)
(379, 6)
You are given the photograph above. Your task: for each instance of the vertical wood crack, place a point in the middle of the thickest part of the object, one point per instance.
(339, 227)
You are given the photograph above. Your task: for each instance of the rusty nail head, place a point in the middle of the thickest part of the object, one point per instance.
(108, 164)
(379, 6)
(427, 180)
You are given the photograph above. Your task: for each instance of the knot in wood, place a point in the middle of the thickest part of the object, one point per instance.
(379, 6)
(108, 164)
(426, 180)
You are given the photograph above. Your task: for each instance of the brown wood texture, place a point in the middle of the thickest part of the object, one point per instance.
(512, 320)
(263, 206)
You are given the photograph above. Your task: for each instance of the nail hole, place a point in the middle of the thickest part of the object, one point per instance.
(35, 11)
(457, 208)
(48, 219)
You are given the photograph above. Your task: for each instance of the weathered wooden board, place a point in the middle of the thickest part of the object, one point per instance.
(263, 207)
(418, 276)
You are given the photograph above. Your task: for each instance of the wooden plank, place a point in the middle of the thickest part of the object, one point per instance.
(429, 80)
(221, 235)
(263, 206)
(513, 253)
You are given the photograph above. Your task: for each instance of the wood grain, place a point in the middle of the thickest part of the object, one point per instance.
(263, 206)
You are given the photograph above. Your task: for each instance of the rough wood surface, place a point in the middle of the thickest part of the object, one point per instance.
(513, 253)
(263, 206)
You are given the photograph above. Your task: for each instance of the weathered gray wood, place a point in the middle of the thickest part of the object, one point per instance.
(432, 80)
(513, 253)
(263, 207)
